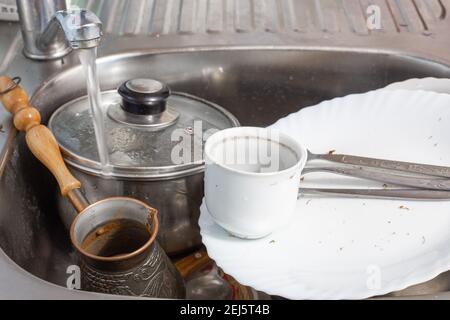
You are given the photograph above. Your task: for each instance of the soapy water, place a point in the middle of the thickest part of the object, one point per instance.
(88, 61)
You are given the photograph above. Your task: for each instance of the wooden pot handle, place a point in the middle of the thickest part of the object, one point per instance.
(40, 139)
(190, 264)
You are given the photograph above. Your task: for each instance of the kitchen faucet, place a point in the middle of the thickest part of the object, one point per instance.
(51, 31)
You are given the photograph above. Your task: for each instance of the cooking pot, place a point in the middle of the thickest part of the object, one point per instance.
(155, 142)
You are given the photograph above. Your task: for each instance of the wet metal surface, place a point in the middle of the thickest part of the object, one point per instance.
(257, 66)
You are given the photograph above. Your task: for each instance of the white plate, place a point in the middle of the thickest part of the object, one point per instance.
(427, 84)
(339, 248)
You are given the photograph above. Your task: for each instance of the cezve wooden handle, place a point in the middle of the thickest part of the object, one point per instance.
(40, 139)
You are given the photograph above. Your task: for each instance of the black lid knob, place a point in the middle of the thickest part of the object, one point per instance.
(144, 96)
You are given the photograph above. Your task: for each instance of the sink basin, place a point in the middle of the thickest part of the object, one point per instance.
(257, 85)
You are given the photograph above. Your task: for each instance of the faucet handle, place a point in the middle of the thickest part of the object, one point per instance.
(39, 138)
(83, 29)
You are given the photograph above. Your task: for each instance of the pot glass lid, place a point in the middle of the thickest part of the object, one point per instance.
(150, 132)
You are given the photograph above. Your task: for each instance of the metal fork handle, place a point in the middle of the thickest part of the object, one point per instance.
(400, 194)
(389, 178)
(424, 169)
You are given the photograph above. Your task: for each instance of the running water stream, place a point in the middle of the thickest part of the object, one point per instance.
(88, 61)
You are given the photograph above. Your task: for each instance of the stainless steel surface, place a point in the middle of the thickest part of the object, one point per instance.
(385, 176)
(405, 194)
(82, 29)
(137, 152)
(423, 169)
(34, 17)
(232, 77)
(209, 286)
(162, 120)
(259, 65)
(42, 22)
(8, 41)
(9, 46)
(20, 284)
(217, 17)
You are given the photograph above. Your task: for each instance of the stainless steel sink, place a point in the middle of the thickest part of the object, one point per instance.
(258, 85)
(260, 59)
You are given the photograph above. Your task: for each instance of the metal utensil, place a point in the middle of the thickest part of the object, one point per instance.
(116, 240)
(400, 194)
(386, 176)
(202, 278)
(423, 169)
(431, 181)
(209, 286)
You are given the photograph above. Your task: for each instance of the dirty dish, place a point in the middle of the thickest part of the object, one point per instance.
(250, 174)
(346, 248)
(438, 85)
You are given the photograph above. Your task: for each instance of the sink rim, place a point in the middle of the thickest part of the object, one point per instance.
(137, 53)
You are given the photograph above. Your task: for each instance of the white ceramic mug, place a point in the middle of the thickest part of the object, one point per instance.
(252, 179)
